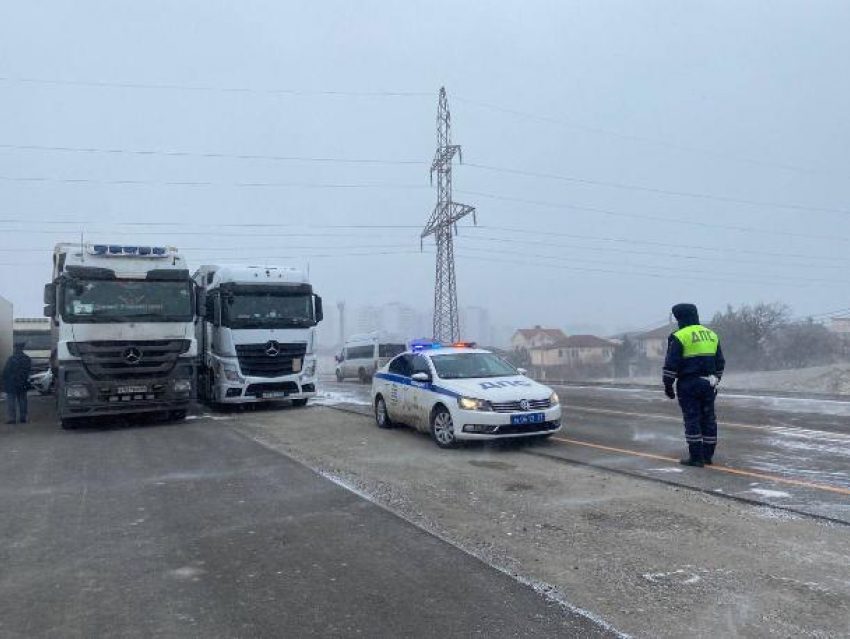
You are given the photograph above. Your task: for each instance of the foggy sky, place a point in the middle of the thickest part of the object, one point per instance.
(738, 100)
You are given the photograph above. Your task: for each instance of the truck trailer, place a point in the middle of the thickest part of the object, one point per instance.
(122, 331)
(257, 336)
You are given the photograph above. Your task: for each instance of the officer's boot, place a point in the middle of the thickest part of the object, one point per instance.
(695, 458)
(708, 453)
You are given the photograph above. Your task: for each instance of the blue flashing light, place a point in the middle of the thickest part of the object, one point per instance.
(131, 250)
(100, 249)
(144, 250)
(424, 344)
(158, 250)
(115, 250)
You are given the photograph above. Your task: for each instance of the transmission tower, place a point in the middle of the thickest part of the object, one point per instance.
(443, 225)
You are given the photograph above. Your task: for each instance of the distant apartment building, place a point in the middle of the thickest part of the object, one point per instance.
(475, 325)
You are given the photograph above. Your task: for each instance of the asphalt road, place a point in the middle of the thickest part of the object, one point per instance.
(193, 530)
(791, 454)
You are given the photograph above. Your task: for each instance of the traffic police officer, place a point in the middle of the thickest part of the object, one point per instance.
(695, 364)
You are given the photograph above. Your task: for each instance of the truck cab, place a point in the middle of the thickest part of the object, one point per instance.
(257, 336)
(122, 330)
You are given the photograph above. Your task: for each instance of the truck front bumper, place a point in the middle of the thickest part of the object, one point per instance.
(80, 395)
(260, 390)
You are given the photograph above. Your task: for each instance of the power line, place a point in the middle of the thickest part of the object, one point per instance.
(299, 185)
(637, 138)
(620, 251)
(212, 89)
(210, 224)
(209, 155)
(667, 272)
(654, 218)
(403, 162)
(658, 191)
(714, 249)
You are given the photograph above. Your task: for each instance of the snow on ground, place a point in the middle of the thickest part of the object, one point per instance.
(764, 492)
(334, 398)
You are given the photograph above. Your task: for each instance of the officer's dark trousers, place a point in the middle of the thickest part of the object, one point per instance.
(696, 397)
(16, 406)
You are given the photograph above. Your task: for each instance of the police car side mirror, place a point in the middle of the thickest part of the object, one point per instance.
(522, 371)
(421, 377)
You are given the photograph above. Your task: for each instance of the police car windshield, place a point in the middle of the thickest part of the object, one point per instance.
(471, 365)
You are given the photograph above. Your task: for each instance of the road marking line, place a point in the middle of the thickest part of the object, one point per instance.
(721, 469)
(608, 411)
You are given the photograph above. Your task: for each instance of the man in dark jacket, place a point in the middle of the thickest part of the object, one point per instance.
(695, 365)
(16, 376)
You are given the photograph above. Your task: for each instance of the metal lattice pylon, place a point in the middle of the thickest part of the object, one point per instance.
(443, 225)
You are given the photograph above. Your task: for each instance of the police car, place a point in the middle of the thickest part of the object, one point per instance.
(459, 393)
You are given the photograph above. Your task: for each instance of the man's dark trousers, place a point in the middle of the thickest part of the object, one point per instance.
(696, 397)
(16, 403)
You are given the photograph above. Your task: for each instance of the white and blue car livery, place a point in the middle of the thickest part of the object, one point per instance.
(459, 393)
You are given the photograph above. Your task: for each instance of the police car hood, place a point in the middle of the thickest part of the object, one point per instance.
(497, 389)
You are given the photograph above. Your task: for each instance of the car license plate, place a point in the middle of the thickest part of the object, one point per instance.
(529, 418)
(273, 394)
(130, 390)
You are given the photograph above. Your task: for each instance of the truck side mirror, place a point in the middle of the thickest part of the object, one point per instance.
(49, 310)
(50, 293)
(320, 314)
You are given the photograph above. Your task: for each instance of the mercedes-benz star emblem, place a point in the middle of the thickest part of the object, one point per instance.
(523, 404)
(133, 355)
(272, 349)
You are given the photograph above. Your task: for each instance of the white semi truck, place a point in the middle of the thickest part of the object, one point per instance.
(123, 331)
(257, 336)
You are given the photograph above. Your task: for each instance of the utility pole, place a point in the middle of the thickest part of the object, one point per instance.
(443, 225)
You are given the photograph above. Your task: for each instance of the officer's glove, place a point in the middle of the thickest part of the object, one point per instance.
(714, 380)
(668, 390)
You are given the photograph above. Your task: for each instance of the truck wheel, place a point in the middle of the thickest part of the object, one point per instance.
(442, 428)
(177, 415)
(299, 402)
(339, 376)
(382, 416)
(70, 423)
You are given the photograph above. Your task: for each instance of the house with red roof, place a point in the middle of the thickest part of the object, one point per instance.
(537, 337)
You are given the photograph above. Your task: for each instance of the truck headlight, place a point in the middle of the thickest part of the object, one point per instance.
(309, 369)
(470, 403)
(182, 385)
(554, 400)
(230, 372)
(77, 391)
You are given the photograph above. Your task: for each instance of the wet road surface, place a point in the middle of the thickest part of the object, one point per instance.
(193, 530)
(791, 454)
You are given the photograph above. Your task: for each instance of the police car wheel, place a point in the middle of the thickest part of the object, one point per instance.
(382, 417)
(442, 428)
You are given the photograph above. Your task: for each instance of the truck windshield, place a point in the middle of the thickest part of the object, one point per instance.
(90, 301)
(268, 310)
(471, 365)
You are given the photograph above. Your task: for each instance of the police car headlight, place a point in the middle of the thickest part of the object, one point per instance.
(470, 403)
(554, 400)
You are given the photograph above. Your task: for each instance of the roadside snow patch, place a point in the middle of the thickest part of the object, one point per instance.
(764, 492)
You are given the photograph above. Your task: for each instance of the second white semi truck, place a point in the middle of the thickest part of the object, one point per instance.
(257, 338)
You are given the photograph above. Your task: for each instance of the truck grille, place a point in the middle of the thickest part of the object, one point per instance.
(514, 407)
(272, 359)
(142, 359)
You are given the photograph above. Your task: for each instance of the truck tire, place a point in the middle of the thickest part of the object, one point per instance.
(177, 415)
(70, 423)
(300, 402)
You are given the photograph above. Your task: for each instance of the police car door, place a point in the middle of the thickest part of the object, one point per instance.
(419, 393)
(398, 387)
